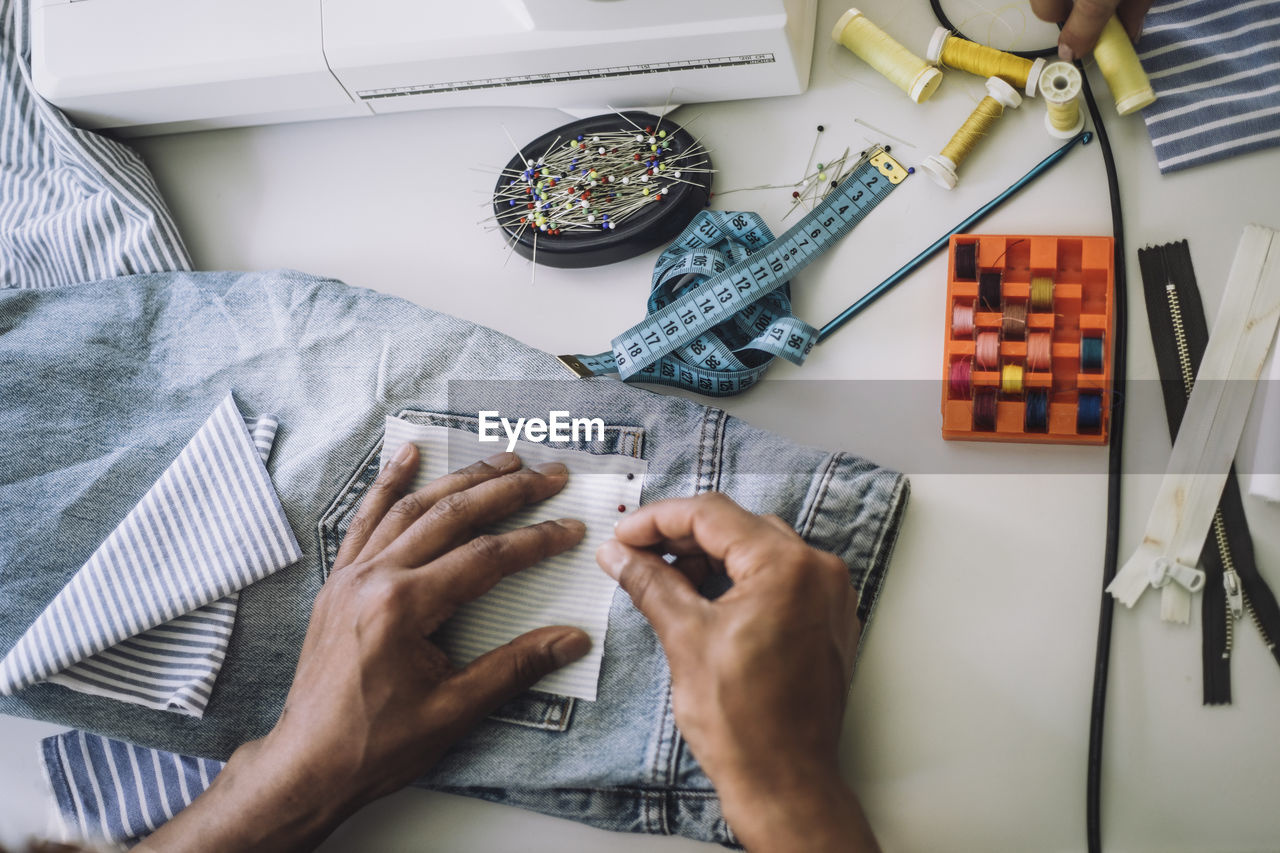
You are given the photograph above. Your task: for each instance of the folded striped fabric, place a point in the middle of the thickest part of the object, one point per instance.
(109, 790)
(147, 619)
(113, 790)
(1215, 69)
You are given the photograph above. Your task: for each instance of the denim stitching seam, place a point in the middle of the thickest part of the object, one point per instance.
(890, 526)
(717, 449)
(348, 497)
(809, 516)
(707, 477)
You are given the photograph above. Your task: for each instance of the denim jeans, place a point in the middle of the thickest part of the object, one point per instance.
(104, 382)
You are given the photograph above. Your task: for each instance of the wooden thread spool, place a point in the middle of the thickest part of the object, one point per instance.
(1039, 349)
(1011, 380)
(878, 49)
(1091, 354)
(986, 350)
(962, 319)
(1013, 325)
(1041, 293)
(985, 410)
(1060, 86)
(967, 261)
(989, 298)
(952, 51)
(1089, 413)
(1118, 62)
(961, 379)
(1036, 417)
(942, 166)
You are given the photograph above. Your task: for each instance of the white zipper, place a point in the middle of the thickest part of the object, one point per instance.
(1230, 577)
(1210, 432)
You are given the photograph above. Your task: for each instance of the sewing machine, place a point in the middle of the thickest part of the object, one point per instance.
(158, 66)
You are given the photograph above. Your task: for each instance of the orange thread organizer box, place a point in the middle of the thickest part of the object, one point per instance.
(1026, 377)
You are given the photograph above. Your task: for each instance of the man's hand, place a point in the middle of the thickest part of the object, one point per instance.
(760, 675)
(374, 702)
(1085, 20)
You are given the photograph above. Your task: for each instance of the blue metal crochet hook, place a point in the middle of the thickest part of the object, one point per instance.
(883, 287)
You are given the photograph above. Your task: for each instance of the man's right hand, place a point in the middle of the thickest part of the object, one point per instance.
(1084, 20)
(760, 675)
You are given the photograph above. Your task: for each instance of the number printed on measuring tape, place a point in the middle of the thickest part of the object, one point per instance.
(749, 280)
(727, 266)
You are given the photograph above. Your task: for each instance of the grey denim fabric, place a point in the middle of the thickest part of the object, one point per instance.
(104, 382)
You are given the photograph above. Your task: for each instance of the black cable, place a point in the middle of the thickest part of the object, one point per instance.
(936, 5)
(1111, 552)
(1111, 548)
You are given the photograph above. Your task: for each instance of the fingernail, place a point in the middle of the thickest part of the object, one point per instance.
(502, 461)
(610, 557)
(1065, 53)
(552, 469)
(572, 524)
(570, 647)
(402, 455)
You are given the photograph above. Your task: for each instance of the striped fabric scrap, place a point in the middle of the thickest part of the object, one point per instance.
(567, 589)
(1214, 68)
(147, 619)
(76, 205)
(109, 790)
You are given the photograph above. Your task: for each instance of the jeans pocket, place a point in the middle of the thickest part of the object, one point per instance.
(533, 709)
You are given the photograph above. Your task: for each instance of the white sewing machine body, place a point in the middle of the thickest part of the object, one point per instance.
(159, 66)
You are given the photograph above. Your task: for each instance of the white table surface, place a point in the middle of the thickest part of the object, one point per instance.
(969, 715)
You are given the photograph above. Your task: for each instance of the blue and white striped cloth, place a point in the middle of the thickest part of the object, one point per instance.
(78, 207)
(114, 791)
(1215, 69)
(119, 792)
(74, 206)
(147, 619)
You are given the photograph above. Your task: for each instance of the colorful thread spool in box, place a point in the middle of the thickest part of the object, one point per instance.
(1031, 359)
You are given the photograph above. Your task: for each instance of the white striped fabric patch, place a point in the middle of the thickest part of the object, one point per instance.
(109, 790)
(568, 589)
(148, 617)
(76, 206)
(1214, 68)
(171, 666)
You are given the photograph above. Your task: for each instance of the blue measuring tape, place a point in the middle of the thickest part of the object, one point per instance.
(720, 308)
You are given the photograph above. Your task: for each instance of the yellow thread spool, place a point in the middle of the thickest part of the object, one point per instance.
(954, 52)
(1060, 84)
(1118, 62)
(1042, 292)
(878, 49)
(1011, 379)
(942, 166)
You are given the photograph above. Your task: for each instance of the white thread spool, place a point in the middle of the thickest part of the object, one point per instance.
(1060, 85)
(942, 167)
(878, 49)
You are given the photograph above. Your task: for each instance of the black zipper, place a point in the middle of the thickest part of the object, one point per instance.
(1233, 586)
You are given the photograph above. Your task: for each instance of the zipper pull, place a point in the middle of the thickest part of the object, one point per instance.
(1165, 570)
(1235, 593)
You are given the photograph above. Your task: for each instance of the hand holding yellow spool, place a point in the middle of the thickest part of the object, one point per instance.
(1118, 62)
(952, 51)
(878, 49)
(942, 166)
